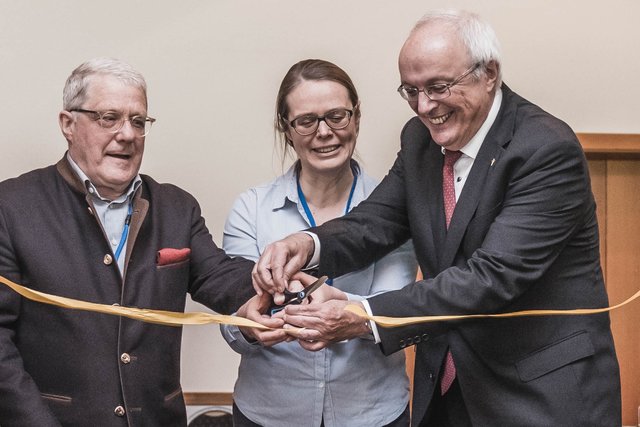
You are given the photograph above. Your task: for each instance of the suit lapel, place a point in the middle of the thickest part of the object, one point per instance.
(499, 135)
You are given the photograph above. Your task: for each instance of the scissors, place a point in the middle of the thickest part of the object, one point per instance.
(296, 297)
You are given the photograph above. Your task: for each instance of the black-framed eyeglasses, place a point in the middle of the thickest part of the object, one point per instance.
(113, 121)
(336, 119)
(434, 92)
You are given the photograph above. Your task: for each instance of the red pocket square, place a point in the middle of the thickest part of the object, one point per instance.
(168, 256)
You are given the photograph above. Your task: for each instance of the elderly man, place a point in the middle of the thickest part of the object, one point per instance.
(92, 228)
(523, 235)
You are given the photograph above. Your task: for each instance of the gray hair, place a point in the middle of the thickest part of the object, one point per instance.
(477, 35)
(75, 89)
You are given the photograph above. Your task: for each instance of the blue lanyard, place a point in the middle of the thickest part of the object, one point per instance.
(125, 233)
(305, 206)
(307, 211)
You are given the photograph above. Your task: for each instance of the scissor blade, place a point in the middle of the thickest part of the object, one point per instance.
(312, 287)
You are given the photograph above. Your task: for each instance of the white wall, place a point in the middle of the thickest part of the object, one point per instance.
(213, 69)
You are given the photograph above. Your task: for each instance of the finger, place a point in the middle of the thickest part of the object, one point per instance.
(313, 345)
(271, 338)
(261, 276)
(302, 333)
(295, 286)
(264, 274)
(256, 286)
(302, 310)
(279, 274)
(304, 322)
(303, 277)
(278, 298)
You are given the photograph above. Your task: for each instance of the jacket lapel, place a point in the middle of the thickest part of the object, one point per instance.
(499, 135)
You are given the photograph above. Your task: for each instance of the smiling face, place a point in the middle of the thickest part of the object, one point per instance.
(110, 160)
(434, 54)
(326, 150)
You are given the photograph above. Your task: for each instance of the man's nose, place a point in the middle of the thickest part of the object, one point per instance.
(126, 132)
(425, 104)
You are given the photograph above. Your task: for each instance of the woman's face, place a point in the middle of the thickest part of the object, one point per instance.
(326, 150)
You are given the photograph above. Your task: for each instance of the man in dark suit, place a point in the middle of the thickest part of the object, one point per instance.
(92, 228)
(523, 235)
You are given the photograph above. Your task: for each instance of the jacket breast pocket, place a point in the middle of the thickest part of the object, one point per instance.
(171, 284)
(175, 265)
(555, 356)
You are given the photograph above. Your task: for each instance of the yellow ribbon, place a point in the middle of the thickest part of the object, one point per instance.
(162, 317)
(171, 318)
(392, 322)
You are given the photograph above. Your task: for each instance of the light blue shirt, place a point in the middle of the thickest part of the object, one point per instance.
(351, 383)
(110, 213)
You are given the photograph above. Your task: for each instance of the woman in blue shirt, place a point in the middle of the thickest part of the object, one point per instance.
(350, 383)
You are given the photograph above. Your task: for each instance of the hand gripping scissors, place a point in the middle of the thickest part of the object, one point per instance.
(296, 297)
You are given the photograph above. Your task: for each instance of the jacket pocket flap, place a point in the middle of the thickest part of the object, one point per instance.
(555, 356)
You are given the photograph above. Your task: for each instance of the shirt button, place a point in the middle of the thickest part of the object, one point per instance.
(321, 384)
(119, 411)
(108, 259)
(125, 358)
(114, 242)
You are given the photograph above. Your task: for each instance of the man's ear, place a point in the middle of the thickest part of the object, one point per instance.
(66, 122)
(492, 70)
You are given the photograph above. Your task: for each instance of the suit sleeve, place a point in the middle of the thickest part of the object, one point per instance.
(534, 238)
(20, 399)
(370, 231)
(218, 281)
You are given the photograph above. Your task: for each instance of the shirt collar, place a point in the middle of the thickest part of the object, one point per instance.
(91, 189)
(473, 146)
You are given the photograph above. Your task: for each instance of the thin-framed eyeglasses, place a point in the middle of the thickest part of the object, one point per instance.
(434, 92)
(113, 121)
(336, 119)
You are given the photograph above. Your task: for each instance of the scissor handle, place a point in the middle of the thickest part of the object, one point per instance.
(295, 297)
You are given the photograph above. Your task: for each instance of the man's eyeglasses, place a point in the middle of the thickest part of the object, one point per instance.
(434, 92)
(307, 124)
(113, 121)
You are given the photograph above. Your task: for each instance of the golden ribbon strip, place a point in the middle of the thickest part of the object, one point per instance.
(162, 317)
(392, 322)
(171, 318)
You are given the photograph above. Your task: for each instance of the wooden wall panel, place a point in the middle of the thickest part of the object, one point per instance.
(614, 163)
(598, 172)
(623, 272)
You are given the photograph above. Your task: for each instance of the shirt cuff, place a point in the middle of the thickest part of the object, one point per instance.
(372, 324)
(315, 258)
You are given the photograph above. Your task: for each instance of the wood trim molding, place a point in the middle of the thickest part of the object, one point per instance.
(604, 145)
(206, 399)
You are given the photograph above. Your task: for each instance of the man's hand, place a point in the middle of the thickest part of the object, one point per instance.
(326, 293)
(253, 309)
(324, 323)
(279, 262)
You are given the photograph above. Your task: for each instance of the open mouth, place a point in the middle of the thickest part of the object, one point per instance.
(440, 119)
(120, 156)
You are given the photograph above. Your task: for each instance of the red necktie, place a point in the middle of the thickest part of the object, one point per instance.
(448, 186)
(449, 192)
